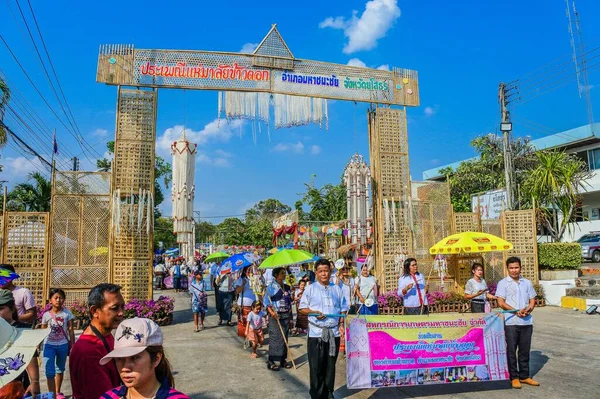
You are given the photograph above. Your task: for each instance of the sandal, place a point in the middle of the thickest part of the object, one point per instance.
(286, 365)
(272, 366)
(230, 324)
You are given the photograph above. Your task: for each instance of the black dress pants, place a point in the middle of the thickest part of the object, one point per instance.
(322, 368)
(518, 339)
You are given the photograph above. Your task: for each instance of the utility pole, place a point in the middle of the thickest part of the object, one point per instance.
(506, 128)
(75, 164)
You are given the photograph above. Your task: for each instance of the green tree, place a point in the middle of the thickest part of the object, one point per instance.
(486, 172)
(4, 97)
(327, 203)
(162, 171)
(163, 232)
(556, 183)
(267, 209)
(205, 230)
(31, 197)
(232, 231)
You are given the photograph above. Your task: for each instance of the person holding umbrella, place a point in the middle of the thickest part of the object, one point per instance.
(278, 301)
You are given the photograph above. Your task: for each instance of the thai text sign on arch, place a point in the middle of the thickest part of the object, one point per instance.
(393, 351)
(206, 70)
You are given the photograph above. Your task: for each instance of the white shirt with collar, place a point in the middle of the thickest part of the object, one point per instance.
(411, 298)
(327, 300)
(517, 295)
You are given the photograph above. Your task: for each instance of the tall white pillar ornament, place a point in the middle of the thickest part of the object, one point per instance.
(357, 178)
(182, 194)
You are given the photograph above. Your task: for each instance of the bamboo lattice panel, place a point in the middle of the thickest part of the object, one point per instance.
(519, 228)
(465, 221)
(80, 226)
(493, 261)
(81, 183)
(25, 246)
(135, 278)
(131, 242)
(391, 181)
(134, 165)
(80, 296)
(26, 240)
(136, 115)
(65, 226)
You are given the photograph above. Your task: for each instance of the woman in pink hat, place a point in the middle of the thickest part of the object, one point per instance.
(141, 362)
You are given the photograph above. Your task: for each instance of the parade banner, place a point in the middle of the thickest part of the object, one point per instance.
(392, 351)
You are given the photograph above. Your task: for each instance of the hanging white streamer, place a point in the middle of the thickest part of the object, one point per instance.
(394, 216)
(386, 215)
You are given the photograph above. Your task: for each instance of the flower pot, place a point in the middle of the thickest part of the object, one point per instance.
(391, 311)
(540, 302)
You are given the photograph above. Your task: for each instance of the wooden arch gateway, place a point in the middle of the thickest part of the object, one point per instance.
(271, 69)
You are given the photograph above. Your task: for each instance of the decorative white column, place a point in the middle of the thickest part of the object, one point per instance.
(182, 194)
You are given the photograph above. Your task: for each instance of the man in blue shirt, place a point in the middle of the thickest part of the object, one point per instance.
(517, 294)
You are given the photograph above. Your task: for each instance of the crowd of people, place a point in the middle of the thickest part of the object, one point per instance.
(132, 363)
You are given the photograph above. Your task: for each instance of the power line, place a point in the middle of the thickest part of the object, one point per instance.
(552, 86)
(56, 77)
(25, 145)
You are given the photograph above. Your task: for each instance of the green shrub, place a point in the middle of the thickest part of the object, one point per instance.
(559, 255)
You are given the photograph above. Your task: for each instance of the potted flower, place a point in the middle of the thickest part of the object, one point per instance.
(80, 314)
(390, 303)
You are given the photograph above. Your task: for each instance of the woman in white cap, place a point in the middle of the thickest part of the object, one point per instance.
(141, 363)
(17, 347)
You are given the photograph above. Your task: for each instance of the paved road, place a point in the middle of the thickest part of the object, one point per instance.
(213, 363)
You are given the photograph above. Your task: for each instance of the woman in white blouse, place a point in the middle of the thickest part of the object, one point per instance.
(412, 289)
(366, 291)
(477, 290)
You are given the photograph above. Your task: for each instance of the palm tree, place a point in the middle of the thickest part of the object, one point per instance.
(4, 97)
(557, 184)
(31, 197)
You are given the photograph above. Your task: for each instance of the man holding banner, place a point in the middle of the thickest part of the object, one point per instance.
(517, 294)
(326, 307)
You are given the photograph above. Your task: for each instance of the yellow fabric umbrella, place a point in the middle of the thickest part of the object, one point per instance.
(470, 242)
(273, 250)
(99, 251)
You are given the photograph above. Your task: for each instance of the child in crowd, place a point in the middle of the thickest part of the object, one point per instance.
(60, 341)
(301, 319)
(254, 331)
(199, 300)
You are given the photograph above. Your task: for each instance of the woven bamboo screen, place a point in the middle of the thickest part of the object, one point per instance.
(133, 170)
(25, 246)
(519, 228)
(80, 227)
(388, 139)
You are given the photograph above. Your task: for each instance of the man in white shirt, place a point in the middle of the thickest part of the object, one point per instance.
(517, 293)
(324, 331)
(159, 276)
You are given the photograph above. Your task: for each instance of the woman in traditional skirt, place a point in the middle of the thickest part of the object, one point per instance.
(278, 301)
(301, 319)
(245, 299)
(199, 300)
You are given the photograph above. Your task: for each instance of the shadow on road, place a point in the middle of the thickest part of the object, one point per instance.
(537, 361)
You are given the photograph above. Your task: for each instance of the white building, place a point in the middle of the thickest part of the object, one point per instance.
(583, 141)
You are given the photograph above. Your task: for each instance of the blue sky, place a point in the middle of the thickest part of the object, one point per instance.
(462, 50)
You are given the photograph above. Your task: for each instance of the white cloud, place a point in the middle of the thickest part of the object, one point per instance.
(16, 170)
(297, 148)
(315, 150)
(221, 159)
(248, 48)
(357, 63)
(364, 31)
(429, 111)
(213, 131)
(100, 133)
